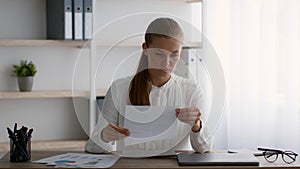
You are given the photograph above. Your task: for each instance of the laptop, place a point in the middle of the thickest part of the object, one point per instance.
(217, 159)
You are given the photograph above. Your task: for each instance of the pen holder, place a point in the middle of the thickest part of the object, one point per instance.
(20, 149)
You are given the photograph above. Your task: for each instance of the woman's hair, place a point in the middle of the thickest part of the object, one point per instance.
(140, 85)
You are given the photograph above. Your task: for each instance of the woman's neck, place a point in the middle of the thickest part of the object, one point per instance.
(159, 79)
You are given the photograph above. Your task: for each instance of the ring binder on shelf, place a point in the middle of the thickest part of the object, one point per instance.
(78, 19)
(59, 19)
(88, 19)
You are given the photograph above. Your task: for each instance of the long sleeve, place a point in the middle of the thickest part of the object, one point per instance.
(96, 145)
(109, 110)
(109, 114)
(203, 140)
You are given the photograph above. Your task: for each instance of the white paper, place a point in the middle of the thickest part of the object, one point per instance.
(149, 123)
(80, 160)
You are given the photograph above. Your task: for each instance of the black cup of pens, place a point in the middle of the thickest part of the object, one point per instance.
(20, 144)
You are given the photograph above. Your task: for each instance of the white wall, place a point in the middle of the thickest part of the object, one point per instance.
(51, 119)
(22, 19)
(55, 118)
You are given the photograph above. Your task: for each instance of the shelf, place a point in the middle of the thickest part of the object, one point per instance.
(81, 44)
(101, 92)
(48, 94)
(139, 44)
(190, 1)
(41, 42)
(193, 45)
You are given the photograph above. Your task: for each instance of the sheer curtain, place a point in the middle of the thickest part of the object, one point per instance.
(258, 43)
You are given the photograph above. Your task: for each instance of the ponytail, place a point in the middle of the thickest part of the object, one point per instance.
(140, 85)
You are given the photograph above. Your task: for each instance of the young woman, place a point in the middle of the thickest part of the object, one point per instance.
(154, 84)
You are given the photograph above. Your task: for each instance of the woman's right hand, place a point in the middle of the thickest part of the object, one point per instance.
(113, 132)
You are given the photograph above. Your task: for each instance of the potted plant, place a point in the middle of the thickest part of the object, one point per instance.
(25, 73)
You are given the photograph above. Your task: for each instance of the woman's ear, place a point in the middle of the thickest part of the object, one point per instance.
(144, 45)
(145, 51)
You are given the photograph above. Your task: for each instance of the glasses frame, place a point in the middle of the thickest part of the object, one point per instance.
(270, 152)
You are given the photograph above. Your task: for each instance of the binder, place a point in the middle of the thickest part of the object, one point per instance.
(88, 19)
(78, 19)
(59, 19)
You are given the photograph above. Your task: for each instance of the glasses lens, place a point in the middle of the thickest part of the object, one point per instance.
(271, 156)
(289, 156)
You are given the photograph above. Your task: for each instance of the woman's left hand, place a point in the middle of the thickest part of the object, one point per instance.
(190, 116)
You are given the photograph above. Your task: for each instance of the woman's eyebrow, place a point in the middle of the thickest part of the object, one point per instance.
(163, 51)
(160, 50)
(176, 51)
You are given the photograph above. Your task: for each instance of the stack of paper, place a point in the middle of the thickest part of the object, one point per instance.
(80, 160)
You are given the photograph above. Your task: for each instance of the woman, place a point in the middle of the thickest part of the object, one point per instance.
(155, 85)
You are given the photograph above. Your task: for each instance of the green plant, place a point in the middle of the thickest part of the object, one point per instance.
(24, 69)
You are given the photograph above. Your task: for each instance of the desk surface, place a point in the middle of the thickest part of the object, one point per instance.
(126, 163)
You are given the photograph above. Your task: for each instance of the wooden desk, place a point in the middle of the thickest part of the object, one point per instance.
(125, 163)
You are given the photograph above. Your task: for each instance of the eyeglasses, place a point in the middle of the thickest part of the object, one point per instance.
(271, 155)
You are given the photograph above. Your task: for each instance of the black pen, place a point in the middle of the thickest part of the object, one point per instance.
(12, 134)
(28, 136)
(21, 138)
(15, 128)
(24, 129)
(30, 132)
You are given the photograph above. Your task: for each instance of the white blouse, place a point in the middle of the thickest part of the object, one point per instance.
(178, 92)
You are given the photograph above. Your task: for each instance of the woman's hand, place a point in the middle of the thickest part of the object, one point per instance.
(190, 116)
(113, 132)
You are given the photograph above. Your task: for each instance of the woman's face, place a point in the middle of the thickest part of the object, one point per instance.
(163, 55)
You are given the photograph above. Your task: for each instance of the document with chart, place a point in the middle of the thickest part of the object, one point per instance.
(81, 160)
